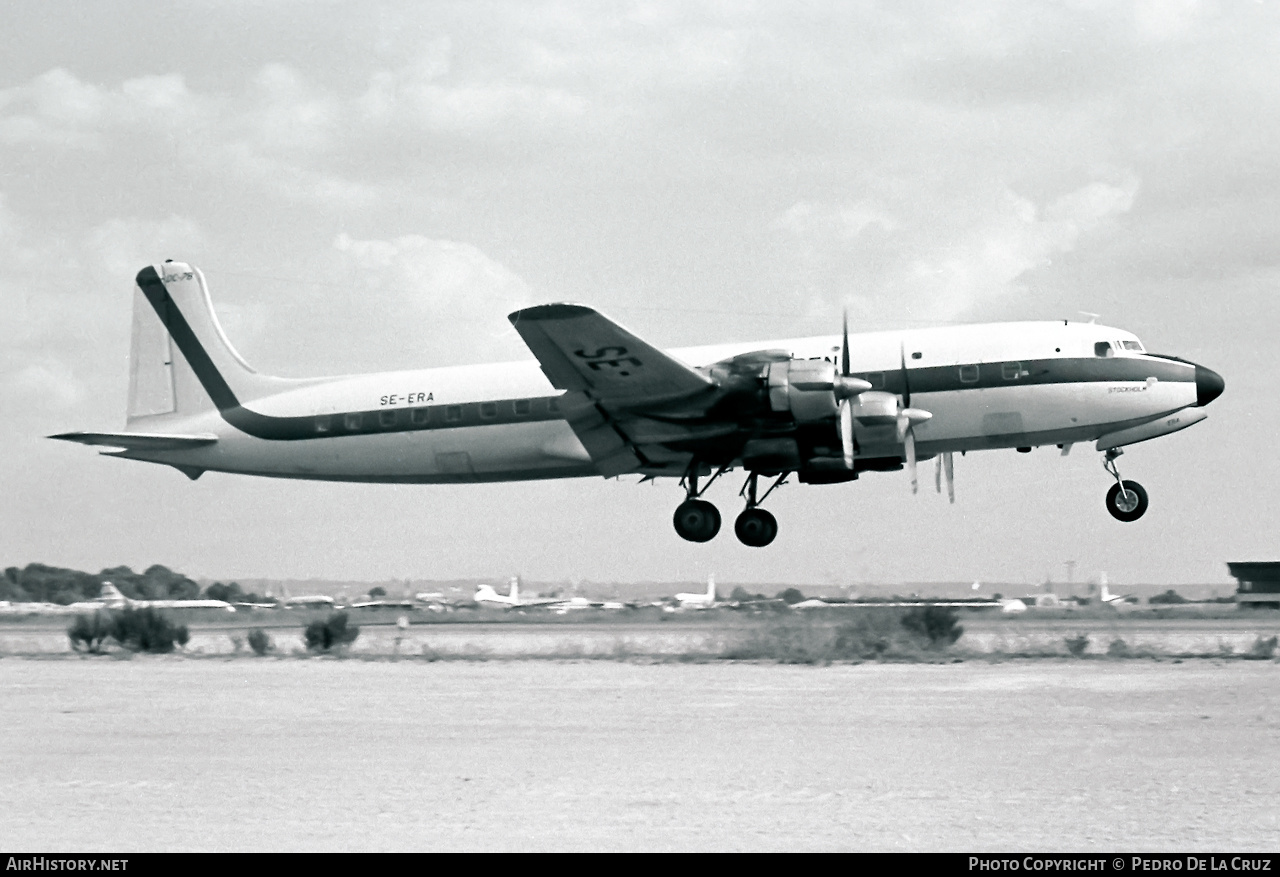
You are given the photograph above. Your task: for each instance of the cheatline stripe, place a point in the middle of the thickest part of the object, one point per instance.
(930, 379)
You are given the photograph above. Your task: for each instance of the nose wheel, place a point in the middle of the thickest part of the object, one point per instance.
(1126, 500)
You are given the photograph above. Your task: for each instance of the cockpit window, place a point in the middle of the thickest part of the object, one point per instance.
(1131, 345)
(1103, 348)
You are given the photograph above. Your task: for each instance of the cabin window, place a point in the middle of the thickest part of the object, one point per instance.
(453, 413)
(419, 416)
(488, 409)
(1011, 371)
(1103, 348)
(387, 418)
(1131, 345)
(523, 407)
(917, 355)
(875, 379)
(322, 423)
(969, 374)
(352, 421)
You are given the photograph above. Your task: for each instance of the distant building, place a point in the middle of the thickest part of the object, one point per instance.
(1259, 584)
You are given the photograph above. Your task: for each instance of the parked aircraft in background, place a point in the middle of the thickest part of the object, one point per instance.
(487, 596)
(308, 601)
(1109, 599)
(600, 401)
(111, 598)
(704, 600)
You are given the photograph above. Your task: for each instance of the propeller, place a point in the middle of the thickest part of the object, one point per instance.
(908, 417)
(846, 388)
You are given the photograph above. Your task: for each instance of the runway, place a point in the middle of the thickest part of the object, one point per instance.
(171, 753)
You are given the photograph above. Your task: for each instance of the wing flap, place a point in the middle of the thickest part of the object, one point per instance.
(138, 441)
(610, 450)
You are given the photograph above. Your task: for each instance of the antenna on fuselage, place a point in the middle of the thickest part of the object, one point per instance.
(1093, 318)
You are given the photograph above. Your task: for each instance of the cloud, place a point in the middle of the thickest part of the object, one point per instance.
(121, 247)
(63, 303)
(903, 260)
(450, 298)
(58, 108)
(48, 385)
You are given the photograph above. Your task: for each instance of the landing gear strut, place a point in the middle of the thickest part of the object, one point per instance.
(1126, 500)
(756, 527)
(696, 519)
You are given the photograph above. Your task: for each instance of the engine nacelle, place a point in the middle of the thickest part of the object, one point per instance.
(804, 388)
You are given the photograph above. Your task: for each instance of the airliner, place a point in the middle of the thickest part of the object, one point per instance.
(599, 401)
(486, 595)
(697, 600)
(111, 598)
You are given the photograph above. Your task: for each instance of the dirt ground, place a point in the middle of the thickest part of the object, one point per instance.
(169, 753)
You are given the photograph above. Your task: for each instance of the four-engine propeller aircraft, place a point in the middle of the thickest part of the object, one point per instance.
(605, 403)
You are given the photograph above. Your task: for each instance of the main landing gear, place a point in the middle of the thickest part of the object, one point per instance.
(699, 521)
(756, 527)
(696, 519)
(1126, 500)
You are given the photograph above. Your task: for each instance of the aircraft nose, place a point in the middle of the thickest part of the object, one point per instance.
(1209, 385)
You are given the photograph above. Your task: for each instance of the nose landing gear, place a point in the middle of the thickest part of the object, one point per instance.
(1126, 500)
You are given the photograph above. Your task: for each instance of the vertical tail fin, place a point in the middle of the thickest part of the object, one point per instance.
(111, 596)
(181, 362)
(711, 588)
(515, 589)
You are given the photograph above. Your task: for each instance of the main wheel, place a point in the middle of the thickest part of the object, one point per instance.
(1129, 504)
(756, 527)
(697, 520)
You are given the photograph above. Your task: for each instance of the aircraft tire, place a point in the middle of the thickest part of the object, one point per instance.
(697, 520)
(756, 528)
(1134, 506)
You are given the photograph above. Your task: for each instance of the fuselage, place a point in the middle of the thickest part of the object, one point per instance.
(999, 385)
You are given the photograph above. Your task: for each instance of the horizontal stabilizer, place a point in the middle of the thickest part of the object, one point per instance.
(138, 441)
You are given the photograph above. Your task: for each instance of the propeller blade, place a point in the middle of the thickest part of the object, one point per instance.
(948, 466)
(906, 383)
(937, 475)
(844, 349)
(904, 426)
(911, 459)
(846, 432)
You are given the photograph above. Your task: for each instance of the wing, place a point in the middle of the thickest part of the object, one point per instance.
(581, 350)
(614, 380)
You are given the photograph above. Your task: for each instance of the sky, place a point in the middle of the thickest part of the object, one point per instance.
(374, 186)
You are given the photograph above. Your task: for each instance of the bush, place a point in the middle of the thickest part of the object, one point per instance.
(147, 630)
(937, 624)
(1263, 649)
(1170, 596)
(332, 632)
(90, 631)
(1077, 645)
(1119, 649)
(865, 634)
(791, 596)
(259, 641)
